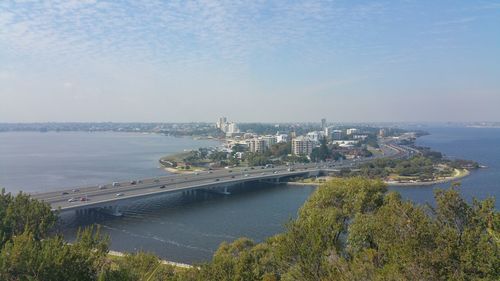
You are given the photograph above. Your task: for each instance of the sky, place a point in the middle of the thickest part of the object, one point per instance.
(252, 61)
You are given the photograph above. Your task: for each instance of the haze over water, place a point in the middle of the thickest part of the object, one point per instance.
(39, 162)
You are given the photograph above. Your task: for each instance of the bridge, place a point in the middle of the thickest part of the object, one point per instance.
(109, 197)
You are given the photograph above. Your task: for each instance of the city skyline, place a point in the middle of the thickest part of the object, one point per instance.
(154, 61)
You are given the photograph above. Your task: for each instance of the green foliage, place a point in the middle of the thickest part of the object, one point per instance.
(139, 267)
(25, 257)
(371, 140)
(257, 159)
(417, 166)
(322, 152)
(296, 159)
(281, 149)
(21, 213)
(349, 229)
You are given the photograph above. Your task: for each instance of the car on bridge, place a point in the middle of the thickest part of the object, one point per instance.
(119, 194)
(115, 184)
(102, 187)
(72, 199)
(64, 193)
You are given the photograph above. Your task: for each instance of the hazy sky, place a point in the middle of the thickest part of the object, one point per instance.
(68, 60)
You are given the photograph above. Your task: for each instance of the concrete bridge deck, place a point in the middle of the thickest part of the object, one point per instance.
(111, 194)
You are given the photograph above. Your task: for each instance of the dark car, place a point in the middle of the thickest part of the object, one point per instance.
(133, 182)
(163, 186)
(217, 179)
(64, 193)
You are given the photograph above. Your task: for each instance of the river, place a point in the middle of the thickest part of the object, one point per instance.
(478, 144)
(187, 228)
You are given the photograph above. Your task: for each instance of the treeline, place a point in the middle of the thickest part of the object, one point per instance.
(354, 230)
(427, 166)
(349, 229)
(30, 250)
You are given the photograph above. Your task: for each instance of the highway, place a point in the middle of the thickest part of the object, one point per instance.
(108, 194)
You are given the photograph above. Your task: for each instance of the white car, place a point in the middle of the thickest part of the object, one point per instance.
(72, 200)
(119, 194)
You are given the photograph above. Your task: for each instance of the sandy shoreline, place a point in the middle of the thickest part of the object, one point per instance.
(176, 264)
(303, 183)
(459, 174)
(175, 171)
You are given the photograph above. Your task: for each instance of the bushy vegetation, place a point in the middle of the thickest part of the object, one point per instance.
(426, 167)
(349, 229)
(354, 230)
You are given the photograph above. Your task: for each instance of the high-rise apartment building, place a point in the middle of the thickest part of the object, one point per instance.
(302, 146)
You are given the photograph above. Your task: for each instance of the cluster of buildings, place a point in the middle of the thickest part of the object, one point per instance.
(300, 145)
(229, 128)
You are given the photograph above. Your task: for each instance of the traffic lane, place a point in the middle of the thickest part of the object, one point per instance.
(100, 198)
(115, 190)
(161, 181)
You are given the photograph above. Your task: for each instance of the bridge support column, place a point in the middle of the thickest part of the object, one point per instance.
(115, 211)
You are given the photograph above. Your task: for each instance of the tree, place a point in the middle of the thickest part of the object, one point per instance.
(322, 152)
(281, 149)
(256, 159)
(21, 213)
(351, 229)
(25, 257)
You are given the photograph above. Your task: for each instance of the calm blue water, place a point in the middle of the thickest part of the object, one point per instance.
(176, 227)
(478, 144)
(37, 162)
(189, 229)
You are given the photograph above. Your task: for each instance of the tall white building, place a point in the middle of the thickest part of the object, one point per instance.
(232, 128)
(221, 123)
(315, 136)
(302, 146)
(351, 131)
(281, 138)
(229, 128)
